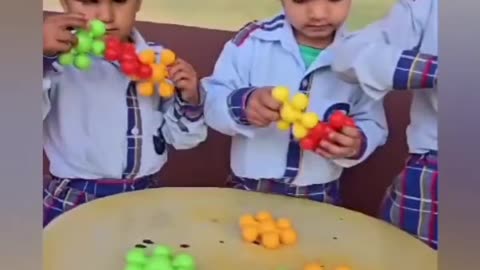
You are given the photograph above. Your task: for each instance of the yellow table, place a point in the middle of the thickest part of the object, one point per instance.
(96, 236)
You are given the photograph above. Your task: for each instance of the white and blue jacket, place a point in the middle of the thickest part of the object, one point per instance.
(266, 53)
(96, 126)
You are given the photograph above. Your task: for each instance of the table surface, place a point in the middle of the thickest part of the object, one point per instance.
(97, 235)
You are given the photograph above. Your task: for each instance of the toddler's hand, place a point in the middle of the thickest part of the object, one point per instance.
(184, 76)
(262, 109)
(57, 36)
(346, 144)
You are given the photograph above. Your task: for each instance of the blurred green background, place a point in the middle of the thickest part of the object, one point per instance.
(232, 14)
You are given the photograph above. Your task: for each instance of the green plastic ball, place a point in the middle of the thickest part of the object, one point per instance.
(162, 251)
(97, 29)
(136, 257)
(184, 261)
(133, 267)
(159, 263)
(84, 43)
(66, 59)
(158, 267)
(98, 48)
(83, 33)
(83, 62)
(185, 268)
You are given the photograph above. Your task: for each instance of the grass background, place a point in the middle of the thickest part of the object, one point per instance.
(232, 14)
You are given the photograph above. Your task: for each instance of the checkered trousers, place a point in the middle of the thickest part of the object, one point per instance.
(326, 193)
(411, 202)
(62, 195)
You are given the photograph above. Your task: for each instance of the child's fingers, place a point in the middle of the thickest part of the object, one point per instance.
(180, 75)
(267, 114)
(182, 84)
(180, 65)
(259, 122)
(62, 46)
(180, 61)
(264, 114)
(256, 119)
(352, 132)
(335, 150)
(72, 21)
(342, 139)
(268, 101)
(323, 153)
(175, 69)
(74, 15)
(66, 37)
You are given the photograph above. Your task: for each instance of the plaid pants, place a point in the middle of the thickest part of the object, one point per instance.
(62, 195)
(411, 202)
(326, 193)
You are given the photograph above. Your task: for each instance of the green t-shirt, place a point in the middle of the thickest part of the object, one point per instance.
(309, 54)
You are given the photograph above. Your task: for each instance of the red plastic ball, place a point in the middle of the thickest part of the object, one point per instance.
(308, 144)
(327, 131)
(113, 42)
(128, 56)
(145, 71)
(112, 55)
(318, 132)
(349, 122)
(337, 120)
(130, 68)
(129, 48)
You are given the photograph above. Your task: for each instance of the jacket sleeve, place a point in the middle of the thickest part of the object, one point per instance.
(369, 116)
(48, 83)
(184, 124)
(384, 56)
(228, 89)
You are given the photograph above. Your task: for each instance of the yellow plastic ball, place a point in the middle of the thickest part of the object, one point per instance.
(283, 125)
(299, 131)
(147, 57)
(146, 89)
(168, 57)
(300, 101)
(166, 90)
(158, 72)
(281, 94)
(309, 120)
(288, 114)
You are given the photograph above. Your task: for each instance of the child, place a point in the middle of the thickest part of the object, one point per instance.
(100, 136)
(293, 49)
(397, 53)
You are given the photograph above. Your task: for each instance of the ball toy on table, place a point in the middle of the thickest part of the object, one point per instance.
(267, 231)
(318, 266)
(161, 258)
(143, 67)
(89, 42)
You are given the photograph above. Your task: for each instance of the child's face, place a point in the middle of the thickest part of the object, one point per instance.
(316, 20)
(118, 15)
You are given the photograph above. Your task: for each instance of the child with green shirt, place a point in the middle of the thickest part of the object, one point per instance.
(293, 49)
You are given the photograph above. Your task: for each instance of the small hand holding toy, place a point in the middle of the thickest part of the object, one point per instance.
(322, 130)
(88, 42)
(345, 142)
(142, 67)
